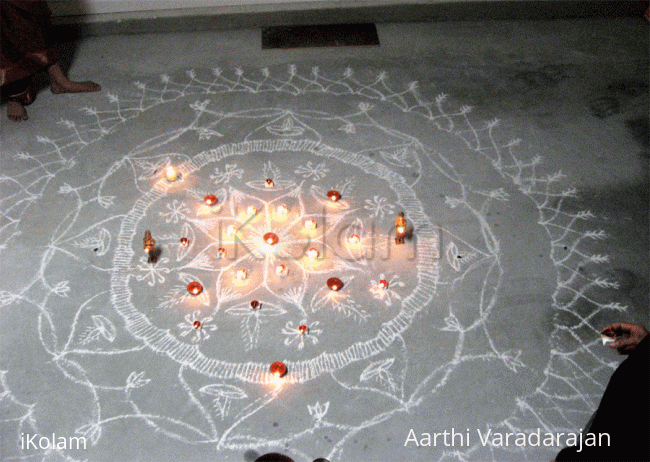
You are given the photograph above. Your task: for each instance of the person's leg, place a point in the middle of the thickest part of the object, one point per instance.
(19, 94)
(16, 111)
(61, 84)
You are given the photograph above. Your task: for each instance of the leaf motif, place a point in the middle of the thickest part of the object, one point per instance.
(499, 194)
(7, 297)
(399, 157)
(136, 380)
(511, 359)
(72, 370)
(103, 242)
(105, 201)
(452, 324)
(453, 202)
(452, 255)
(66, 189)
(377, 369)
(223, 390)
(62, 289)
(105, 327)
(92, 431)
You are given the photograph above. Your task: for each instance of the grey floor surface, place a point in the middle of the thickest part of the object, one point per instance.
(517, 149)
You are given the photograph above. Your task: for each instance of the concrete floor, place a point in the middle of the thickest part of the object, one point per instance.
(520, 158)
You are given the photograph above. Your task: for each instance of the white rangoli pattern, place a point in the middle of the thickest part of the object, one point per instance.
(208, 389)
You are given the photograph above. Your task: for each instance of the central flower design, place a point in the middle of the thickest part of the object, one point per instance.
(276, 245)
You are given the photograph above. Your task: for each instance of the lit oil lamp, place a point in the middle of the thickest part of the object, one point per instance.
(195, 288)
(383, 283)
(255, 305)
(271, 238)
(282, 209)
(334, 284)
(303, 329)
(251, 211)
(197, 324)
(334, 195)
(221, 252)
(171, 174)
(241, 274)
(313, 253)
(231, 230)
(282, 270)
(185, 241)
(269, 183)
(210, 199)
(149, 243)
(310, 223)
(400, 228)
(354, 239)
(278, 369)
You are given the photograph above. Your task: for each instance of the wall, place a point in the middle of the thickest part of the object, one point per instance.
(92, 7)
(275, 12)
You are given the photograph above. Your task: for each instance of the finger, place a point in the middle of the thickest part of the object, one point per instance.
(612, 327)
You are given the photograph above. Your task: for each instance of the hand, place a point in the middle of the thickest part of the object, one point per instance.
(630, 335)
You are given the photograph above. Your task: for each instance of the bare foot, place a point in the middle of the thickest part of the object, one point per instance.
(74, 87)
(61, 84)
(16, 111)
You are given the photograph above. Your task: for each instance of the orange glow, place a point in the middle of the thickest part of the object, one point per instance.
(210, 199)
(334, 195)
(334, 284)
(195, 288)
(282, 209)
(242, 274)
(355, 239)
(251, 211)
(310, 223)
(185, 241)
(271, 238)
(278, 369)
(171, 174)
(231, 230)
(313, 253)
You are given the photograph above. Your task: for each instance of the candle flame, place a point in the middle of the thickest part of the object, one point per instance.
(171, 173)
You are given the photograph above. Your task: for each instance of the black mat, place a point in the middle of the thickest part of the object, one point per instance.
(329, 35)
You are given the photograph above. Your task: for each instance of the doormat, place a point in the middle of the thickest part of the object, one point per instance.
(328, 35)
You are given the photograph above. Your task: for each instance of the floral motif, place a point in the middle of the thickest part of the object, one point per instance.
(230, 171)
(387, 294)
(295, 335)
(318, 410)
(177, 211)
(378, 207)
(316, 172)
(153, 272)
(201, 330)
